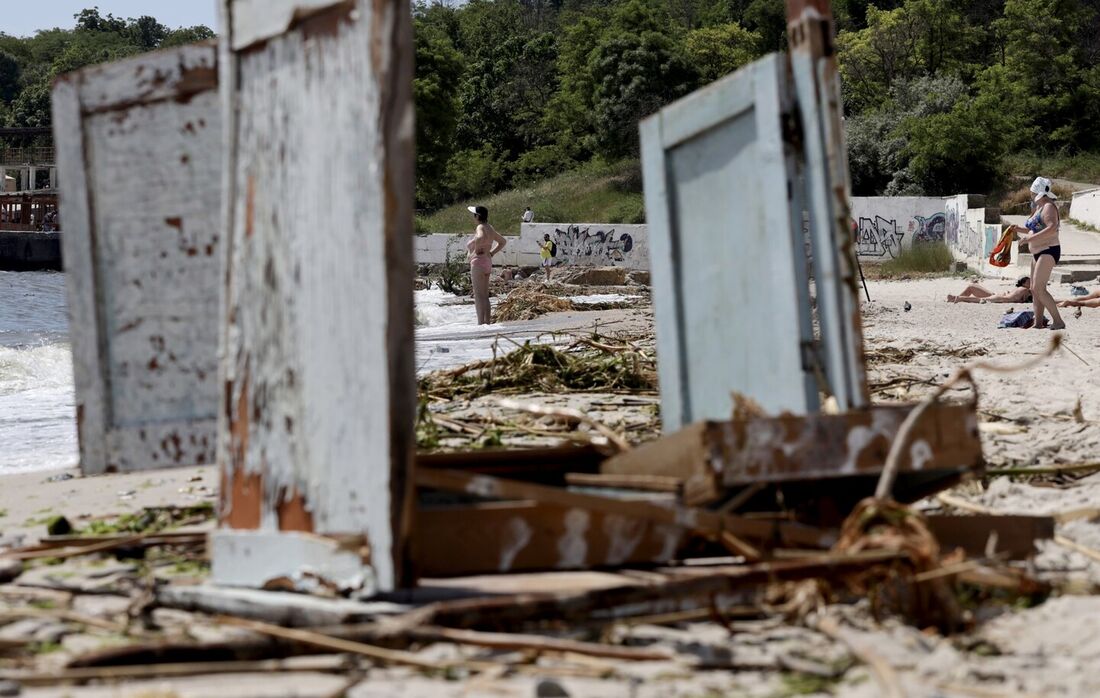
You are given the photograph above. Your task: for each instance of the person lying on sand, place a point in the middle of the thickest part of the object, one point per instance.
(1092, 300)
(980, 294)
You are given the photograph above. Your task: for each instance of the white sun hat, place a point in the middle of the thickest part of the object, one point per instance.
(1042, 187)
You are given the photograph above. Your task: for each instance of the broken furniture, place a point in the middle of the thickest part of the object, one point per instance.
(137, 142)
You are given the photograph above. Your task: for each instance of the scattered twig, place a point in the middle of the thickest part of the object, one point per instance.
(884, 673)
(514, 641)
(1073, 545)
(1045, 470)
(308, 637)
(567, 413)
(964, 374)
(963, 505)
(152, 671)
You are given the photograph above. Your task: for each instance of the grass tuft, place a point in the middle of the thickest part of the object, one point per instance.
(919, 260)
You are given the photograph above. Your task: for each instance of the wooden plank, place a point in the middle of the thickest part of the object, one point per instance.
(731, 296)
(815, 446)
(667, 512)
(138, 143)
(497, 537)
(316, 423)
(284, 608)
(1013, 536)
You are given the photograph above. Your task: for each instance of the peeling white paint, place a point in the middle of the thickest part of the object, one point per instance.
(318, 288)
(858, 439)
(670, 540)
(481, 486)
(573, 545)
(624, 535)
(920, 454)
(139, 152)
(517, 534)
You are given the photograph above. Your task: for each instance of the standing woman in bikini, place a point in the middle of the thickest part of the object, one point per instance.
(1042, 239)
(480, 250)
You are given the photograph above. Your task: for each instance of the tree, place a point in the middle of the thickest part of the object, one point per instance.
(187, 35)
(91, 21)
(920, 38)
(716, 51)
(146, 32)
(1040, 83)
(435, 87)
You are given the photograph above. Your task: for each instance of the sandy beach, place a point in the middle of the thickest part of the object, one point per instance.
(1048, 415)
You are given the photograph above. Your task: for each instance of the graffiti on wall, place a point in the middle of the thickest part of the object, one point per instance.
(951, 224)
(576, 244)
(930, 229)
(878, 237)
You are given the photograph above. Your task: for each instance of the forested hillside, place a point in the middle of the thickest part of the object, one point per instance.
(941, 95)
(938, 92)
(28, 65)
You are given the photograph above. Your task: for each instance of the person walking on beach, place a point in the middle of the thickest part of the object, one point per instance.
(1040, 232)
(528, 215)
(480, 250)
(546, 252)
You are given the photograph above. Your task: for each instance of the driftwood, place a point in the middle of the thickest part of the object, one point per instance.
(153, 671)
(610, 605)
(727, 528)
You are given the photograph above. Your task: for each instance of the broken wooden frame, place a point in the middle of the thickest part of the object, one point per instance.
(730, 292)
(828, 191)
(137, 143)
(315, 435)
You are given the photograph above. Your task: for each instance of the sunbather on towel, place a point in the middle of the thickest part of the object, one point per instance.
(980, 294)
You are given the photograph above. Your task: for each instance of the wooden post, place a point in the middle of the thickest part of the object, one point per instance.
(828, 190)
(316, 421)
(138, 141)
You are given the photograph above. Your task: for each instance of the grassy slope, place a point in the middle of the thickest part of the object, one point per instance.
(594, 193)
(1082, 167)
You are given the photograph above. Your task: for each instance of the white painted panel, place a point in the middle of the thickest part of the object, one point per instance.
(141, 199)
(728, 259)
(318, 339)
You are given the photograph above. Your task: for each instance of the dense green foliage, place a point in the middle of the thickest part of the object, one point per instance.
(28, 65)
(938, 93)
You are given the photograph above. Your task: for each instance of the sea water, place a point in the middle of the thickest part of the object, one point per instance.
(37, 413)
(37, 416)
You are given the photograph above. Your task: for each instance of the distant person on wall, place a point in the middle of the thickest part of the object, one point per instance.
(547, 251)
(974, 293)
(1040, 232)
(480, 250)
(528, 215)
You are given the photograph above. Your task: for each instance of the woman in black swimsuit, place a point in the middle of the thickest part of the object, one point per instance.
(1042, 239)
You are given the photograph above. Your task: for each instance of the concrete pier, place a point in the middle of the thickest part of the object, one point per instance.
(30, 251)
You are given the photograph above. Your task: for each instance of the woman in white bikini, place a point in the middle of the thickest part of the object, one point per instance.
(480, 250)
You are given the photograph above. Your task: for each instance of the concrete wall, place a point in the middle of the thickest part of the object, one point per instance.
(579, 244)
(886, 225)
(1085, 207)
(29, 251)
(973, 231)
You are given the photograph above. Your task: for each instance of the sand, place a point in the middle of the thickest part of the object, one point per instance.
(1030, 418)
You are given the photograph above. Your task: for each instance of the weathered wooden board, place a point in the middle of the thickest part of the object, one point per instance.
(316, 421)
(807, 447)
(138, 147)
(731, 296)
(827, 196)
(495, 537)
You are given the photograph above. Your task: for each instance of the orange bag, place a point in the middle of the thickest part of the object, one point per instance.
(1002, 252)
